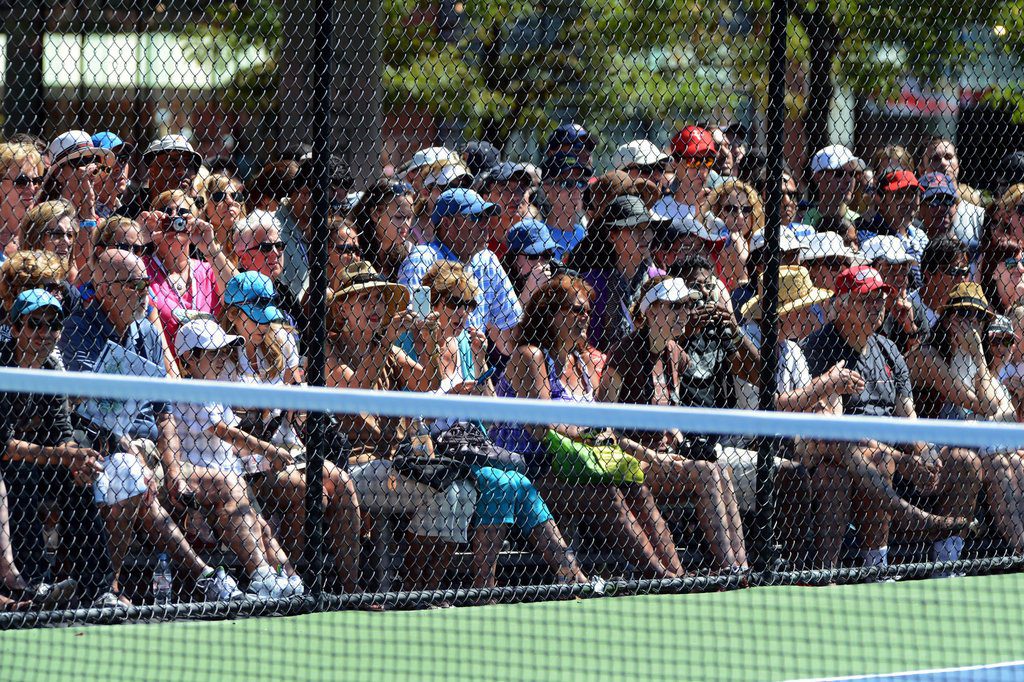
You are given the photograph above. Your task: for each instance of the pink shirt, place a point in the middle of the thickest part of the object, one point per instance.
(202, 296)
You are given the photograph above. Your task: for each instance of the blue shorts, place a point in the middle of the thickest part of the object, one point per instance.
(508, 497)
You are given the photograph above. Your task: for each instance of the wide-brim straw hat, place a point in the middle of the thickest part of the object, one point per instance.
(796, 291)
(360, 276)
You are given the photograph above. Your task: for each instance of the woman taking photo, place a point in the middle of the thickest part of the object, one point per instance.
(738, 206)
(644, 368)
(183, 287)
(506, 496)
(367, 316)
(551, 362)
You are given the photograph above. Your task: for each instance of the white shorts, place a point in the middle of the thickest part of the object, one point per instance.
(123, 477)
(444, 515)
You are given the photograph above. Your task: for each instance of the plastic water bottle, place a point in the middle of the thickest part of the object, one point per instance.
(163, 581)
(419, 437)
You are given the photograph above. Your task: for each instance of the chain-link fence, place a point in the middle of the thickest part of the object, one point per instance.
(801, 207)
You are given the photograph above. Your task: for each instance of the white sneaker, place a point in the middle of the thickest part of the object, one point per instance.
(219, 586)
(291, 585)
(266, 583)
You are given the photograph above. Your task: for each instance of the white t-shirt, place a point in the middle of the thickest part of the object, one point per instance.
(793, 373)
(199, 446)
(242, 370)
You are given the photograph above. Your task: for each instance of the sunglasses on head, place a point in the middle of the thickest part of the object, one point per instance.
(267, 247)
(38, 323)
(238, 196)
(27, 180)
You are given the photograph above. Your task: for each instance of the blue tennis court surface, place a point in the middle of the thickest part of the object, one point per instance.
(1012, 671)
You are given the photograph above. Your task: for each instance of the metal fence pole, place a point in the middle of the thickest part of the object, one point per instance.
(765, 553)
(323, 142)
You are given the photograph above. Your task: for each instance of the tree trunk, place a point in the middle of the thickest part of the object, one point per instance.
(823, 35)
(24, 103)
(357, 108)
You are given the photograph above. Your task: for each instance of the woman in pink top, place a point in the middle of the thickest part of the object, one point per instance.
(183, 287)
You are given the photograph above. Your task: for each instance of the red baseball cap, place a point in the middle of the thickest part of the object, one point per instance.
(694, 142)
(860, 279)
(896, 180)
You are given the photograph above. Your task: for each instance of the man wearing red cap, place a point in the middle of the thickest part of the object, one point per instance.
(693, 152)
(867, 375)
(897, 202)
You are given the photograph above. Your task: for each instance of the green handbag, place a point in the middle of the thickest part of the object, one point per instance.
(578, 462)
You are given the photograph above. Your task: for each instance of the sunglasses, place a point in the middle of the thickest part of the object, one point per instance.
(27, 180)
(941, 202)
(238, 196)
(61, 234)
(267, 247)
(570, 184)
(697, 162)
(180, 211)
(577, 309)
(343, 249)
(649, 169)
(734, 209)
(137, 249)
(36, 324)
(460, 304)
(967, 315)
(957, 272)
(136, 284)
(534, 257)
(1002, 339)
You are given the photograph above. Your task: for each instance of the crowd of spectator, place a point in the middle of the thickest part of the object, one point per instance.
(900, 294)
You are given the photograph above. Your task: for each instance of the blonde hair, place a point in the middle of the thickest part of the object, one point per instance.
(16, 154)
(722, 192)
(26, 270)
(448, 280)
(104, 234)
(39, 218)
(171, 195)
(1007, 201)
(272, 347)
(218, 182)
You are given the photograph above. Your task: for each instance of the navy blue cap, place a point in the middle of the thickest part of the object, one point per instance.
(531, 237)
(480, 156)
(463, 202)
(572, 134)
(565, 163)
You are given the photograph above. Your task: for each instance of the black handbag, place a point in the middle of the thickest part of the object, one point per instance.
(436, 472)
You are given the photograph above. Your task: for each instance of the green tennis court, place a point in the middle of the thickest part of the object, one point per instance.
(775, 633)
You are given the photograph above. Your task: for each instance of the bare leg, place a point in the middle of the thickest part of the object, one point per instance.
(875, 515)
(1004, 475)
(959, 483)
(732, 515)
(831, 487)
(167, 536)
(120, 519)
(642, 505)
(232, 515)
(9, 573)
(427, 561)
(486, 545)
(552, 546)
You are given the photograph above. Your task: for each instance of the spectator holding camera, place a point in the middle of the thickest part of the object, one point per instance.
(181, 286)
(646, 367)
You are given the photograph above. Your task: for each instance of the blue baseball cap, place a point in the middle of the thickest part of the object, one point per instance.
(565, 163)
(32, 300)
(531, 237)
(253, 293)
(107, 140)
(935, 184)
(463, 202)
(572, 134)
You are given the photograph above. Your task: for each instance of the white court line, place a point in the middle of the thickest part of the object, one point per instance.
(520, 411)
(935, 671)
